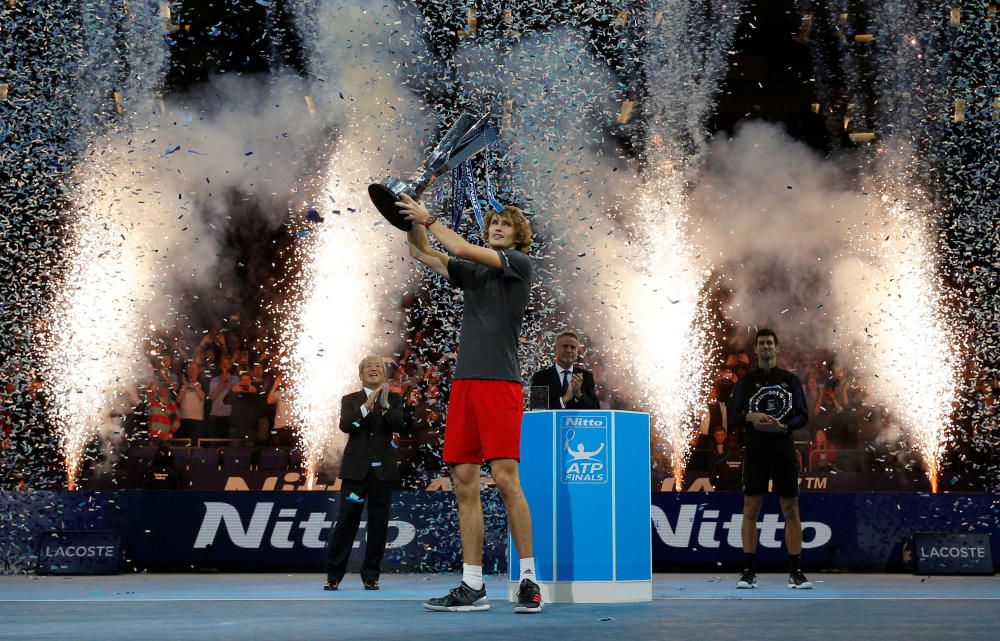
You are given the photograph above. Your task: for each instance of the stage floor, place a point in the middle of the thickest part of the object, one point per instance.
(685, 606)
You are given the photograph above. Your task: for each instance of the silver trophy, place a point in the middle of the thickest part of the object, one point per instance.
(467, 137)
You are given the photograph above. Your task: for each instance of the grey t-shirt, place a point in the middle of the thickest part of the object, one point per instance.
(494, 308)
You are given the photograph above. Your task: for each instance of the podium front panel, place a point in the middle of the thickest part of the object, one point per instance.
(587, 480)
(583, 485)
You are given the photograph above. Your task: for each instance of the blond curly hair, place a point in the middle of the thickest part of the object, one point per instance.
(522, 228)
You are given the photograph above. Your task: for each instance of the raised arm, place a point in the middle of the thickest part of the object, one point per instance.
(453, 243)
(421, 249)
(272, 394)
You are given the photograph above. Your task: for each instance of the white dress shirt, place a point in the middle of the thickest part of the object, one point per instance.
(559, 371)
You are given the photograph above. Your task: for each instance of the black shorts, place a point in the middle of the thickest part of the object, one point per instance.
(778, 465)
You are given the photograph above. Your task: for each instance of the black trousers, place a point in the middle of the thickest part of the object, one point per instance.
(354, 496)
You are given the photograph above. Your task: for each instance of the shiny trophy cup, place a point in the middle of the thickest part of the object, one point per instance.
(467, 137)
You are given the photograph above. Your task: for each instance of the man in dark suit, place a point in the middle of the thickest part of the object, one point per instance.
(373, 418)
(570, 387)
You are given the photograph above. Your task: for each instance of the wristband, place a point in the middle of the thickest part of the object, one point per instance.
(430, 221)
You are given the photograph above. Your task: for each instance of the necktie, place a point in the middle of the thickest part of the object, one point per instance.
(565, 380)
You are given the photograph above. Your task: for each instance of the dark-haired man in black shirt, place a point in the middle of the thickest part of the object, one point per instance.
(768, 404)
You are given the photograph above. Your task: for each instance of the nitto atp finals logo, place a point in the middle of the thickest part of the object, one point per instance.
(584, 452)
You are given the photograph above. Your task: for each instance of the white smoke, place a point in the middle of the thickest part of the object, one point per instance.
(347, 303)
(557, 102)
(775, 218)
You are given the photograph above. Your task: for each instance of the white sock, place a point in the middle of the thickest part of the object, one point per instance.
(528, 568)
(472, 576)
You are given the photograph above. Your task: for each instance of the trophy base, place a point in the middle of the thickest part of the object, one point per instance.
(385, 201)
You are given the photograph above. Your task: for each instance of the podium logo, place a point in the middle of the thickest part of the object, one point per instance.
(584, 452)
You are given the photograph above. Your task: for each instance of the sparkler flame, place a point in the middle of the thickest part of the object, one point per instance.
(665, 321)
(907, 347)
(96, 318)
(335, 309)
(669, 329)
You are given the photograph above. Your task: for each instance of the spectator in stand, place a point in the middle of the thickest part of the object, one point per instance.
(257, 376)
(125, 410)
(161, 412)
(856, 394)
(826, 402)
(165, 373)
(727, 376)
(281, 435)
(241, 362)
(812, 390)
(726, 461)
(191, 400)
(411, 370)
(822, 454)
(221, 411)
(830, 392)
(161, 473)
(208, 360)
(739, 364)
(434, 404)
(416, 410)
(245, 400)
(209, 352)
(715, 413)
(986, 400)
(219, 340)
(719, 445)
(266, 418)
(839, 381)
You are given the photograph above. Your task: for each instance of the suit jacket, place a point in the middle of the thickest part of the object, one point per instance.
(548, 377)
(370, 438)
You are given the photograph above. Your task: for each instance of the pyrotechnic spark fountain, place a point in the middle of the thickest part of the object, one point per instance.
(95, 322)
(666, 317)
(336, 306)
(905, 342)
(665, 321)
(903, 333)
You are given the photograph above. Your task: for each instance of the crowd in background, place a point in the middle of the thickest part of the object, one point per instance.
(228, 388)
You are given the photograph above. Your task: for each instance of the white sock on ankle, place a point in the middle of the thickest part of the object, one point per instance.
(528, 568)
(472, 576)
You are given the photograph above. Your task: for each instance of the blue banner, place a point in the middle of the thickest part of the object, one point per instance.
(243, 530)
(288, 529)
(843, 531)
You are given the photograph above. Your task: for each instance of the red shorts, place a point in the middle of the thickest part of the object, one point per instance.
(484, 421)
